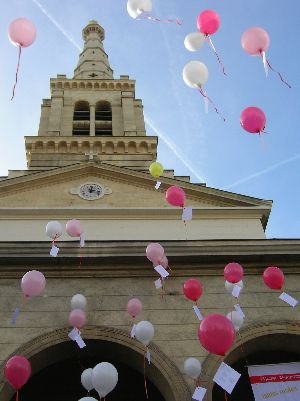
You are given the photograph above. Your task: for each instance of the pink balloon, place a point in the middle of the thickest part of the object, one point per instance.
(155, 252)
(17, 371)
(255, 41)
(21, 32)
(216, 334)
(208, 22)
(273, 278)
(175, 196)
(134, 307)
(192, 289)
(74, 228)
(253, 120)
(77, 318)
(233, 272)
(33, 283)
(163, 262)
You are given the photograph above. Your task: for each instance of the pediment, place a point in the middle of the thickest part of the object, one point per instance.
(127, 189)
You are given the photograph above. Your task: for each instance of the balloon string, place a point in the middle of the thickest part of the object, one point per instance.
(17, 395)
(145, 15)
(242, 348)
(205, 96)
(145, 381)
(277, 72)
(226, 399)
(216, 54)
(162, 288)
(18, 66)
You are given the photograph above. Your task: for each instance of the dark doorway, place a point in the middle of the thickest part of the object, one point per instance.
(60, 381)
(276, 348)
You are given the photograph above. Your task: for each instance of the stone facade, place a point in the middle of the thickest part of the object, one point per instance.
(112, 267)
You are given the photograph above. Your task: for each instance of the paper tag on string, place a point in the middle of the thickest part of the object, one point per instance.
(79, 341)
(236, 291)
(15, 314)
(288, 299)
(239, 310)
(133, 330)
(148, 356)
(157, 185)
(82, 242)
(198, 313)
(158, 284)
(54, 251)
(187, 213)
(226, 377)
(264, 59)
(73, 334)
(199, 393)
(161, 271)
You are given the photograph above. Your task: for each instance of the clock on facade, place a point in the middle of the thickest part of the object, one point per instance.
(91, 191)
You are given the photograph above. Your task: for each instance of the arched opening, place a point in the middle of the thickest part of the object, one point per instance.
(103, 119)
(61, 380)
(260, 344)
(81, 118)
(57, 364)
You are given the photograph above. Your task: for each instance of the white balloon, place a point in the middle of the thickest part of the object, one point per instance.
(104, 378)
(194, 41)
(88, 399)
(54, 229)
(229, 286)
(195, 74)
(86, 379)
(137, 7)
(236, 319)
(144, 332)
(192, 368)
(78, 301)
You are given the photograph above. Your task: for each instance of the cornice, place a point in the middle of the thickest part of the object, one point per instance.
(127, 258)
(134, 213)
(126, 175)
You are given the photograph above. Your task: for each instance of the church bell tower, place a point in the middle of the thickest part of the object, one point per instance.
(92, 116)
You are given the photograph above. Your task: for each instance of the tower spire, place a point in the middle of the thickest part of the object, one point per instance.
(93, 61)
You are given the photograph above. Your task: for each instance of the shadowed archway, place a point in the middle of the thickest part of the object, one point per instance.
(57, 364)
(263, 343)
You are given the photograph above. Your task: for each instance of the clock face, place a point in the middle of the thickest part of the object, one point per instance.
(90, 191)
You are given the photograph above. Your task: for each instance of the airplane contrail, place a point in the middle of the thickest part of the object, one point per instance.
(175, 151)
(264, 171)
(58, 26)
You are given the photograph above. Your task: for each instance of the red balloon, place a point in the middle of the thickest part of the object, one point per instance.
(17, 371)
(192, 289)
(175, 196)
(233, 272)
(253, 120)
(216, 334)
(208, 22)
(273, 278)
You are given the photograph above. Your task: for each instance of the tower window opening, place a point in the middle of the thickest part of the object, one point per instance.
(81, 118)
(103, 117)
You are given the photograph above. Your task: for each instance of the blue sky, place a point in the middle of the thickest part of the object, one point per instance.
(192, 142)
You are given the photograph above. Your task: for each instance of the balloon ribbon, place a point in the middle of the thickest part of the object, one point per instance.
(277, 72)
(216, 54)
(145, 380)
(212, 103)
(18, 66)
(145, 15)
